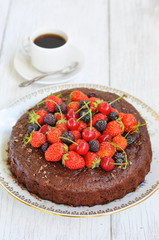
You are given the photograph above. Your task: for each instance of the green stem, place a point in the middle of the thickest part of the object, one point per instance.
(83, 115)
(90, 120)
(69, 140)
(117, 99)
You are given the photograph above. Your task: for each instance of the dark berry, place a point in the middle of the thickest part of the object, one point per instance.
(82, 104)
(85, 118)
(101, 125)
(112, 116)
(33, 127)
(62, 107)
(130, 139)
(92, 94)
(50, 119)
(45, 146)
(119, 158)
(68, 135)
(94, 145)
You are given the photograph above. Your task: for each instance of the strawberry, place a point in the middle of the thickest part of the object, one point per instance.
(92, 160)
(114, 110)
(94, 102)
(107, 163)
(114, 128)
(78, 96)
(73, 146)
(53, 135)
(37, 139)
(41, 113)
(76, 134)
(44, 128)
(120, 142)
(55, 152)
(129, 122)
(106, 149)
(82, 125)
(51, 103)
(62, 125)
(73, 160)
(59, 116)
(97, 133)
(121, 115)
(98, 116)
(73, 105)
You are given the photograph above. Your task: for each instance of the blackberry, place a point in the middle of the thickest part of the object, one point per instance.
(85, 118)
(130, 139)
(33, 127)
(101, 125)
(68, 135)
(62, 107)
(50, 119)
(119, 157)
(92, 94)
(45, 146)
(112, 116)
(93, 145)
(82, 103)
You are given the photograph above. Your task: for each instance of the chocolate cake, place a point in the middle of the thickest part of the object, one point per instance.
(85, 186)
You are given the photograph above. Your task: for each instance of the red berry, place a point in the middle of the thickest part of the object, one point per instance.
(42, 113)
(104, 108)
(114, 110)
(104, 137)
(76, 134)
(73, 105)
(106, 149)
(73, 124)
(94, 102)
(71, 114)
(51, 103)
(129, 122)
(114, 128)
(62, 125)
(121, 142)
(73, 160)
(97, 117)
(97, 133)
(73, 146)
(59, 116)
(82, 148)
(44, 128)
(92, 160)
(82, 125)
(55, 152)
(37, 139)
(88, 134)
(78, 96)
(106, 163)
(53, 135)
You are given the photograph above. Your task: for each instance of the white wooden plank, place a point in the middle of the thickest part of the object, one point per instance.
(134, 56)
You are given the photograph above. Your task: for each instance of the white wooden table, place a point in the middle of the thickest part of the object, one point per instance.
(120, 40)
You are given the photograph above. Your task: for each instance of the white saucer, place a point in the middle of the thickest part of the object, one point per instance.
(25, 69)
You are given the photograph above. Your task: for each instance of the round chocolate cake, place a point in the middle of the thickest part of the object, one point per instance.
(84, 185)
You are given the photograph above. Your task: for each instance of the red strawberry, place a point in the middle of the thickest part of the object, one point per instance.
(73, 105)
(53, 135)
(59, 116)
(78, 96)
(129, 121)
(114, 110)
(97, 133)
(51, 103)
(41, 113)
(120, 142)
(92, 160)
(82, 125)
(73, 160)
(76, 134)
(62, 125)
(121, 115)
(94, 102)
(37, 139)
(98, 116)
(106, 149)
(55, 152)
(106, 163)
(114, 128)
(44, 128)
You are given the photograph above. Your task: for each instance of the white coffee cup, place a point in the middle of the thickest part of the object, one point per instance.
(49, 59)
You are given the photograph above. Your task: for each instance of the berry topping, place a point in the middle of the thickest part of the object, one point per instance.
(41, 113)
(66, 136)
(101, 125)
(52, 101)
(73, 124)
(73, 160)
(104, 138)
(73, 105)
(129, 122)
(50, 119)
(82, 147)
(94, 102)
(44, 128)
(97, 133)
(76, 134)
(82, 125)
(114, 128)
(85, 116)
(33, 127)
(88, 134)
(119, 157)
(62, 125)
(120, 142)
(71, 114)
(112, 116)
(45, 146)
(55, 152)
(130, 139)
(106, 149)
(98, 116)
(104, 108)
(92, 94)
(78, 96)
(107, 163)
(37, 139)
(92, 160)
(84, 104)
(94, 145)
(59, 116)
(53, 135)
(62, 107)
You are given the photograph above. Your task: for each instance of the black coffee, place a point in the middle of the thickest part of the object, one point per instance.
(49, 40)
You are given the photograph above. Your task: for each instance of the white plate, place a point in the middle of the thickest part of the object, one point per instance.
(25, 69)
(9, 117)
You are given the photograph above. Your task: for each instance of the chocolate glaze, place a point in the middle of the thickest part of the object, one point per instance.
(53, 181)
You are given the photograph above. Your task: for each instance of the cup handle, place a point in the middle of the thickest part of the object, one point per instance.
(25, 47)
